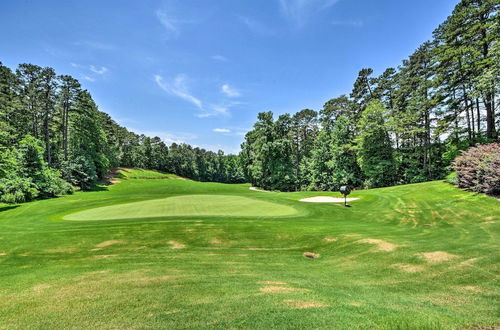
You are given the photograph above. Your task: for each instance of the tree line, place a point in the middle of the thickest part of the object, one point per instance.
(403, 126)
(53, 138)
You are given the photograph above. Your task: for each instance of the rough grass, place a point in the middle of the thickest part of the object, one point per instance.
(415, 256)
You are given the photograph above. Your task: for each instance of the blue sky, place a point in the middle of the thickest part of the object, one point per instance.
(199, 71)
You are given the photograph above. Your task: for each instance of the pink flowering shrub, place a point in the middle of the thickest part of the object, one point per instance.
(478, 168)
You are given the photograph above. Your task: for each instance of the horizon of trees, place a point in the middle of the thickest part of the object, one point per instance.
(53, 137)
(404, 126)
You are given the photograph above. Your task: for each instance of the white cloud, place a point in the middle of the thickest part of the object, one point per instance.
(256, 26)
(101, 70)
(299, 11)
(169, 23)
(229, 91)
(179, 88)
(220, 58)
(89, 78)
(215, 110)
(221, 130)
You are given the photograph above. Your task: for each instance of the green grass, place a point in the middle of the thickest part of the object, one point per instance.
(180, 257)
(186, 206)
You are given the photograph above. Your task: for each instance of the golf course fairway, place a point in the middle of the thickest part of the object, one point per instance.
(176, 253)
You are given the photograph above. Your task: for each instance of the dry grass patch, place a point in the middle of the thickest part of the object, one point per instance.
(68, 250)
(330, 239)
(355, 304)
(381, 245)
(2, 254)
(264, 249)
(437, 257)
(40, 288)
(176, 245)
(409, 268)
(215, 240)
(104, 256)
(109, 243)
(351, 235)
(469, 262)
(311, 255)
(469, 288)
(299, 304)
(280, 289)
(272, 283)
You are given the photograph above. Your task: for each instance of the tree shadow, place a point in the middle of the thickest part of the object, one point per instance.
(6, 208)
(99, 187)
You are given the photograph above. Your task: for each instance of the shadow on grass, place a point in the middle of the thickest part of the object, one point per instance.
(102, 186)
(6, 208)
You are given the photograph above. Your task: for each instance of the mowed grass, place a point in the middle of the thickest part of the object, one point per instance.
(415, 256)
(186, 205)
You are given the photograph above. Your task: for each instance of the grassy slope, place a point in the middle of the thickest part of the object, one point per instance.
(223, 271)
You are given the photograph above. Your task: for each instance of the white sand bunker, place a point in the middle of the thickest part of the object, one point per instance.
(326, 199)
(258, 189)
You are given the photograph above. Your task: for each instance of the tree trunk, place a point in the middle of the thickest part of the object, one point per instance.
(65, 130)
(47, 139)
(490, 117)
(478, 115)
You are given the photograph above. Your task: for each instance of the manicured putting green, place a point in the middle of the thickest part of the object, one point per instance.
(187, 205)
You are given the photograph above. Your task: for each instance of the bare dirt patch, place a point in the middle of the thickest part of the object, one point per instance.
(109, 243)
(327, 199)
(351, 235)
(311, 255)
(280, 289)
(437, 257)
(111, 176)
(381, 245)
(299, 304)
(176, 245)
(409, 268)
(330, 239)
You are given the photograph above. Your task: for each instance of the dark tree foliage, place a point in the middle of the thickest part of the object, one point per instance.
(53, 137)
(406, 125)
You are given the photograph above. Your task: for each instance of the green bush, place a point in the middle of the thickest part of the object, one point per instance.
(52, 185)
(17, 190)
(80, 172)
(452, 178)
